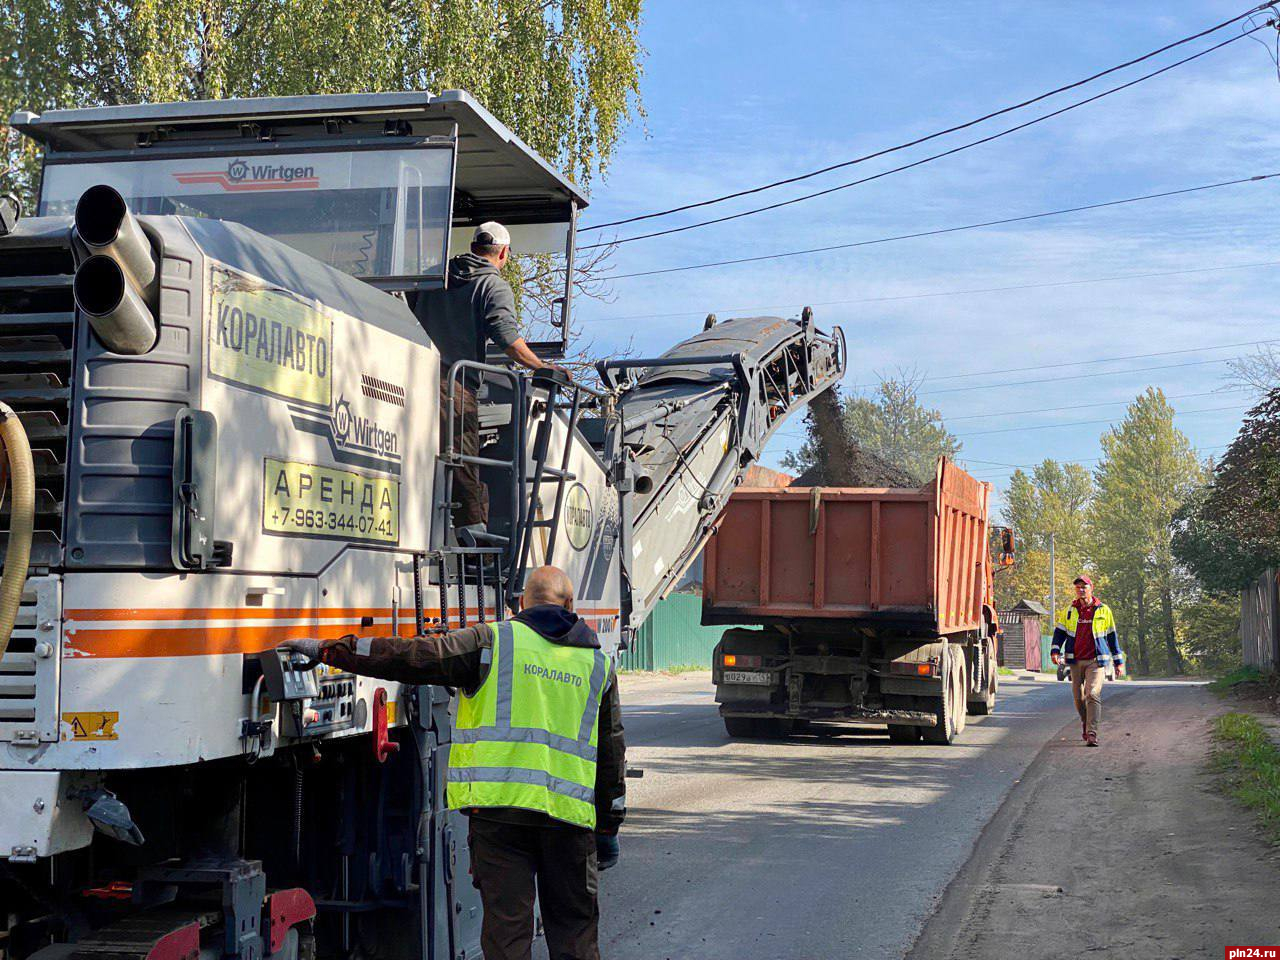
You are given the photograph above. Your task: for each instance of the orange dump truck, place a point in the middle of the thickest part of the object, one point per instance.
(876, 607)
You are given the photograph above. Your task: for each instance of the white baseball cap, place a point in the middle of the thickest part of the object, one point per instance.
(492, 232)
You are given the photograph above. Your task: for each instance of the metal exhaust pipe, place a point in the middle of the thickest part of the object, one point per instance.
(117, 312)
(116, 285)
(105, 225)
(643, 484)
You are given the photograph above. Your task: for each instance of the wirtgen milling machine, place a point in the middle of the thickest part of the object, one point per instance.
(216, 334)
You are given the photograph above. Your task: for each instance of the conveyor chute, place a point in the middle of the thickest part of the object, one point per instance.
(692, 421)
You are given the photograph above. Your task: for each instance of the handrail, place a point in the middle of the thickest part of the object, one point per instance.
(454, 380)
(606, 367)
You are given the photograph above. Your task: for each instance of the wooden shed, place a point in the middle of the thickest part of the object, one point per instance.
(1020, 648)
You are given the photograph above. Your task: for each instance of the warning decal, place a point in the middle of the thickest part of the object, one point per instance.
(268, 339)
(92, 726)
(303, 499)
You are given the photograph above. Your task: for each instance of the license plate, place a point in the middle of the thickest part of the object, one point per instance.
(748, 676)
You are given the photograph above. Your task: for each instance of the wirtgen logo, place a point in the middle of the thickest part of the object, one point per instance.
(352, 430)
(242, 175)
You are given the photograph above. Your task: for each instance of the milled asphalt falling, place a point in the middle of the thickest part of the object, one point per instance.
(828, 845)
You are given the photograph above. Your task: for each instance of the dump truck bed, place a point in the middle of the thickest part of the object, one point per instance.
(913, 557)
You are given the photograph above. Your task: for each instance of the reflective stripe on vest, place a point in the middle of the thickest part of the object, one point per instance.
(512, 745)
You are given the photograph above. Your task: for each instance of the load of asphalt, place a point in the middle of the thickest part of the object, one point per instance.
(842, 462)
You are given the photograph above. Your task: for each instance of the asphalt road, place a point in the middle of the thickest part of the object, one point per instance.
(832, 844)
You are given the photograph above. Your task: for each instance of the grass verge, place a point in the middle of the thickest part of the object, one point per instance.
(1006, 672)
(1249, 762)
(1239, 675)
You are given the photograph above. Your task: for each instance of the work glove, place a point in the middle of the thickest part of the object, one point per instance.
(607, 851)
(311, 649)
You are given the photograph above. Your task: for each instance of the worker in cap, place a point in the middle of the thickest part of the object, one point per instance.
(537, 759)
(1085, 636)
(482, 310)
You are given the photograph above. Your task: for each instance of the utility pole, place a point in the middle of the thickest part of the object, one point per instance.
(1053, 580)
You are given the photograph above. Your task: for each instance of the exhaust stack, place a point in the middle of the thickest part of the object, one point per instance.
(116, 285)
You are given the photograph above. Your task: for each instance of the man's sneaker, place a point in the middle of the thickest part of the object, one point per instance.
(1090, 739)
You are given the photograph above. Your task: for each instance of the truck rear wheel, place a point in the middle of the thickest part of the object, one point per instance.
(901, 733)
(943, 707)
(985, 703)
(775, 728)
(960, 701)
(759, 728)
(740, 726)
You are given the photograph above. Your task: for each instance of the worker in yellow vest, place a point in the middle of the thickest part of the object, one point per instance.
(537, 759)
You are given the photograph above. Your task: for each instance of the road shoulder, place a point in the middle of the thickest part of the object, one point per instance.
(1131, 849)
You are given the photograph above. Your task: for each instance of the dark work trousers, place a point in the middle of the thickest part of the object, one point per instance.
(469, 492)
(506, 861)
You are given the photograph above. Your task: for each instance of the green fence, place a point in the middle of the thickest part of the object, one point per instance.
(672, 636)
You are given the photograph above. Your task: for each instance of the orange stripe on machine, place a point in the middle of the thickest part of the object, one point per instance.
(217, 631)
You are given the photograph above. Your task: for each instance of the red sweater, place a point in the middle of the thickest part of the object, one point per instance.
(1084, 647)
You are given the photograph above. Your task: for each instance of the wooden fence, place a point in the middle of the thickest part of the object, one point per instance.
(1259, 623)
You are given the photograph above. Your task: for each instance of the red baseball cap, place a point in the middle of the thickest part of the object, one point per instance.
(1083, 578)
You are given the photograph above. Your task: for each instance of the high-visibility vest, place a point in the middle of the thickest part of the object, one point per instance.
(527, 738)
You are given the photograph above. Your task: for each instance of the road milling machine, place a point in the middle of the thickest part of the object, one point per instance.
(216, 338)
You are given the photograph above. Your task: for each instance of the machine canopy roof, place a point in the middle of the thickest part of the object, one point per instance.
(497, 171)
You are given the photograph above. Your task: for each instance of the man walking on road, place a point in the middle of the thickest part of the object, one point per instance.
(537, 761)
(1087, 629)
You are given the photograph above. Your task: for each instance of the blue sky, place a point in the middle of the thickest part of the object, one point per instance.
(738, 94)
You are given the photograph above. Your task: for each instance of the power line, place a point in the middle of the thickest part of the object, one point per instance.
(1031, 466)
(1087, 363)
(929, 159)
(931, 136)
(1085, 423)
(1074, 406)
(1017, 413)
(746, 311)
(1080, 376)
(943, 230)
(1084, 406)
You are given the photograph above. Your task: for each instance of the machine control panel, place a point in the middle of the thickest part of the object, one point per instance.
(333, 707)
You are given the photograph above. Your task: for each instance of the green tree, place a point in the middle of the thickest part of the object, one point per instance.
(1052, 500)
(1222, 559)
(1148, 471)
(1209, 631)
(1242, 504)
(894, 425)
(563, 74)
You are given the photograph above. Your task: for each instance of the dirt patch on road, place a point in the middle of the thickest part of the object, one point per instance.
(1131, 850)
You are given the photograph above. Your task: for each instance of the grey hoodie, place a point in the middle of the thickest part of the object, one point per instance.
(476, 282)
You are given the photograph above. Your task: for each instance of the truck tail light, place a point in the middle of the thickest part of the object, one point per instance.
(914, 669)
(741, 660)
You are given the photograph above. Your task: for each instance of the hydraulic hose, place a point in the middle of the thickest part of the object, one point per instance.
(22, 516)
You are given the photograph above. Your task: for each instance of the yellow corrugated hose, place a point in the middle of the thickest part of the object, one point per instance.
(22, 517)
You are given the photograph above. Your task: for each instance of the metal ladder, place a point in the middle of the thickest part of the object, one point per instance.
(542, 473)
(487, 562)
(500, 561)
